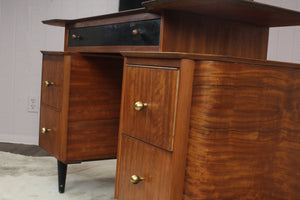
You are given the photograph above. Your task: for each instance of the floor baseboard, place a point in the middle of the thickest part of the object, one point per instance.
(23, 149)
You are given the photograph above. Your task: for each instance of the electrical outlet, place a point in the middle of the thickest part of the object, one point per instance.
(33, 104)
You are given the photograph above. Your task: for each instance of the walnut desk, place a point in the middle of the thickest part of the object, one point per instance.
(215, 121)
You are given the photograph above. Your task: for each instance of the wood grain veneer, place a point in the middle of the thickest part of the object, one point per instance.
(181, 128)
(52, 72)
(158, 88)
(153, 164)
(94, 107)
(65, 107)
(50, 142)
(208, 35)
(244, 140)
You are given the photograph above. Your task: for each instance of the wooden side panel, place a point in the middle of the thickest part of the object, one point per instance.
(94, 107)
(244, 138)
(90, 140)
(182, 128)
(65, 109)
(120, 133)
(53, 70)
(144, 160)
(158, 88)
(209, 35)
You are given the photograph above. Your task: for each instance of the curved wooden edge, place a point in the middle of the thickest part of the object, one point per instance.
(207, 57)
(239, 10)
(106, 55)
(111, 49)
(63, 22)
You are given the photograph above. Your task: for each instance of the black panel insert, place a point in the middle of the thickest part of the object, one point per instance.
(117, 34)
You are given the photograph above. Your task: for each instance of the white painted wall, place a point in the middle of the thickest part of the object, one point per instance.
(284, 42)
(22, 36)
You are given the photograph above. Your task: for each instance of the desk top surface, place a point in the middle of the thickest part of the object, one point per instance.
(208, 57)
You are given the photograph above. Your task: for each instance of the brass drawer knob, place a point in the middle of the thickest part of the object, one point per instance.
(46, 130)
(75, 37)
(48, 83)
(136, 32)
(134, 179)
(140, 105)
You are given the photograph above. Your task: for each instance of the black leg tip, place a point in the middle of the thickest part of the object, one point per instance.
(61, 189)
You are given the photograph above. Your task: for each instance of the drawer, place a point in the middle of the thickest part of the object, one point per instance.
(148, 163)
(52, 79)
(49, 136)
(156, 90)
(140, 33)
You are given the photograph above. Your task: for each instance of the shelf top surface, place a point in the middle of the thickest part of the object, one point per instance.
(63, 22)
(237, 10)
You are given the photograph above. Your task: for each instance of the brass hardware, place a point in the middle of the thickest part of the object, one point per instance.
(74, 36)
(48, 83)
(46, 130)
(140, 105)
(134, 179)
(136, 32)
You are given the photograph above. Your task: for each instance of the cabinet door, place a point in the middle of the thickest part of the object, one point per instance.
(155, 89)
(52, 79)
(49, 138)
(147, 162)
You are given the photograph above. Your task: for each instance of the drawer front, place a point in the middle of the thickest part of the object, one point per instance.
(148, 163)
(156, 90)
(52, 79)
(49, 136)
(140, 33)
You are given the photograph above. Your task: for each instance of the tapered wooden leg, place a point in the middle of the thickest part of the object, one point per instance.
(62, 173)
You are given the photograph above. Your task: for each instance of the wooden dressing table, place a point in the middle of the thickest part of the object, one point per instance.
(181, 93)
